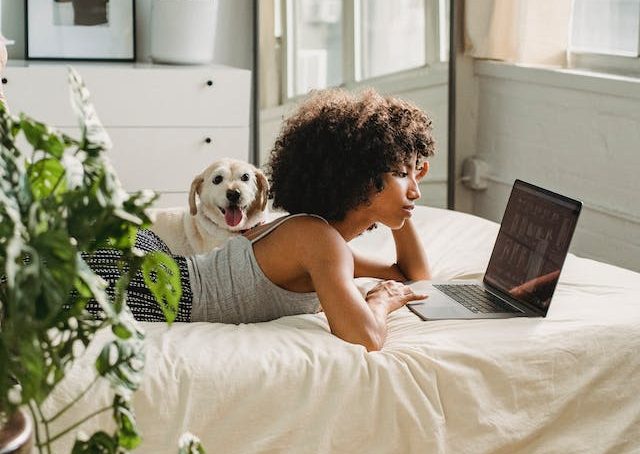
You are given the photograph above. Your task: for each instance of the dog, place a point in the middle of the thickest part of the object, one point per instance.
(232, 198)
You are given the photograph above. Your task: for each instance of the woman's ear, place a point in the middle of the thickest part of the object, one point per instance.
(423, 171)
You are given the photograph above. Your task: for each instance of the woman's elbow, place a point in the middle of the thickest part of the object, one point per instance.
(372, 341)
(422, 275)
(373, 347)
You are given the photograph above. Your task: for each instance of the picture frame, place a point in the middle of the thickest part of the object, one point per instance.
(94, 30)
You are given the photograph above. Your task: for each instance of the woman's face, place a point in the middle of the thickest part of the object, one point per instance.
(394, 204)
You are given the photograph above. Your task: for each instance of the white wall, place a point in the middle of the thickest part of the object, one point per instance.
(428, 91)
(573, 133)
(234, 33)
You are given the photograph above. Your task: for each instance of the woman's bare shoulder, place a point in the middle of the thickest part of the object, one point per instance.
(309, 226)
(314, 236)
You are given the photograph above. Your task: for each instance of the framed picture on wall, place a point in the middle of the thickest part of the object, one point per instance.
(80, 30)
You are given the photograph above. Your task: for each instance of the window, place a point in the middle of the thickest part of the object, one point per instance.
(391, 37)
(328, 43)
(315, 36)
(606, 35)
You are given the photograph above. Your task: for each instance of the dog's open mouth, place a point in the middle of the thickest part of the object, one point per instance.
(232, 215)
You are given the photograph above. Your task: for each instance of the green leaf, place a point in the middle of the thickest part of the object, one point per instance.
(5, 379)
(122, 362)
(95, 284)
(54, 144)
(46, 175)
(162, 276)
(122, 331)
(99, 443)
(190, 444)
(34, 131)
(41, 137)
(127, 431)
(31, 370)
(92, 130)
(126, 327)
(57, 270)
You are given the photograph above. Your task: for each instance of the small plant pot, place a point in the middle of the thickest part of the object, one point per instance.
(16, 433)
(183, 32)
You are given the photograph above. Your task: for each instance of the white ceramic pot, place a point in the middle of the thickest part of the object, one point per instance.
(183, 31)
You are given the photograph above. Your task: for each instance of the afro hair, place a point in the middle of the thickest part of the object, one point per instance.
(333, 151)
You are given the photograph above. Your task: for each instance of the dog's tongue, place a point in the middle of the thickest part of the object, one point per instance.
(233, 216)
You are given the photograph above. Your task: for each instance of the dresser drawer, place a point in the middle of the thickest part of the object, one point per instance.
(166, 160)
(134, 95)
(172, 200)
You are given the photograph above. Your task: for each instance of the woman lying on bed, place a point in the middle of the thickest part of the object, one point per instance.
(342, 164)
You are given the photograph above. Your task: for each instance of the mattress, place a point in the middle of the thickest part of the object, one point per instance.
(565, 383)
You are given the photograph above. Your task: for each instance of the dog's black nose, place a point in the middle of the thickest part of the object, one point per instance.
(233, 195)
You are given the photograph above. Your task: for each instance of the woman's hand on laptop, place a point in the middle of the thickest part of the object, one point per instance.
(393, 294)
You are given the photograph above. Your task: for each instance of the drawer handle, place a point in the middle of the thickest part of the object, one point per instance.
(207, 140)
(210, 83)
(4, 80)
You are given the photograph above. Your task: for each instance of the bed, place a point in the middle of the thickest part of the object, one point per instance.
(565, 383)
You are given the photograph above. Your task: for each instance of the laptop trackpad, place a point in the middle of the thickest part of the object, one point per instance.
(429, 311)
(438, 306)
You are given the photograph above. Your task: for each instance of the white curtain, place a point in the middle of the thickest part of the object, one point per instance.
(518, 31)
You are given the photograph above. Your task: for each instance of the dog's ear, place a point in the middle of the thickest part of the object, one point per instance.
(260, 201)
(196, 186)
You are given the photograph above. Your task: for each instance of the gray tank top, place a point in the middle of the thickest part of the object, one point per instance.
(229, 286)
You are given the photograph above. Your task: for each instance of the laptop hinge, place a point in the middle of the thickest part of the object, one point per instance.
(519, 305)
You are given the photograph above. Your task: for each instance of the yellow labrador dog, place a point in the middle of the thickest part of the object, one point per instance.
(232, 198)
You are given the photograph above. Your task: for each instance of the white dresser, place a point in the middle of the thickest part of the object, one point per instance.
(167, 123)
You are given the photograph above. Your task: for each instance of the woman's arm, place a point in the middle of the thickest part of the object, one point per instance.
(351, 317)
(411, 259)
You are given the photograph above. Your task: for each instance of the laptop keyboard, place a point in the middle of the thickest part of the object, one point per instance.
(475, 298)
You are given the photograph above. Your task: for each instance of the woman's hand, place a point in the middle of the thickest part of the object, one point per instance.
(392, 295)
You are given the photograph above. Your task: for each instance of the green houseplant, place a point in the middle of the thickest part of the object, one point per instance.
(59, 197)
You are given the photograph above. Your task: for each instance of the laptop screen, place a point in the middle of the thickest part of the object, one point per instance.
(532, 244)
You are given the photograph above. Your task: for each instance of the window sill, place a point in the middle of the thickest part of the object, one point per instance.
(574, 79)
(427, 77)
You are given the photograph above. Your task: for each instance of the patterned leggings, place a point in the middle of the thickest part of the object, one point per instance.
(140, 300)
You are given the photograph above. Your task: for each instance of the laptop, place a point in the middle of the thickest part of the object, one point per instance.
(524, 267)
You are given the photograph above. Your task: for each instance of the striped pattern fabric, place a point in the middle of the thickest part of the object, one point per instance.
(140, 300)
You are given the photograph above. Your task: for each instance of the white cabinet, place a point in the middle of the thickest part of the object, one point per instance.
(167, 123)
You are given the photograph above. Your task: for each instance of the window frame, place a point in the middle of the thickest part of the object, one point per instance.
(621, 63)
(351, 57)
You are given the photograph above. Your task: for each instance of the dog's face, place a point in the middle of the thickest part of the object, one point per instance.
(233, 194)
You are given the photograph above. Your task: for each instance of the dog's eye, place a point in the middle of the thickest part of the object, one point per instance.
(217, 179)
(245, 177)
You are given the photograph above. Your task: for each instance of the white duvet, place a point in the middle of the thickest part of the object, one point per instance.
(567, 383)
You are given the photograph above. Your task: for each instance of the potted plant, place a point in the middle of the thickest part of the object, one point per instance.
(60, 197)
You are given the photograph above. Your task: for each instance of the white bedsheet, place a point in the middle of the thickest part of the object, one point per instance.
(567, 383)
